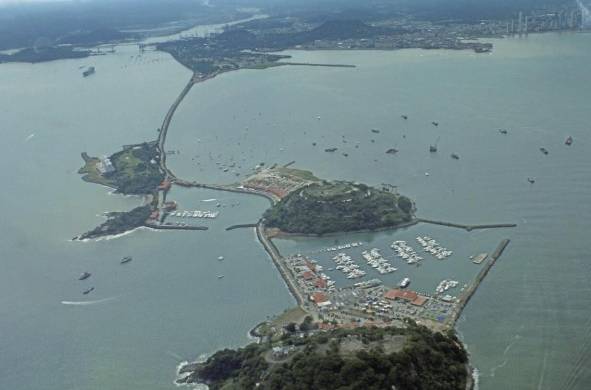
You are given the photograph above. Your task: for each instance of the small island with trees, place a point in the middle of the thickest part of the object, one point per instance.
(339, 206)
(412, 357)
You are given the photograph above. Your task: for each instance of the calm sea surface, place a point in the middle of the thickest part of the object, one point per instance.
(527, 327)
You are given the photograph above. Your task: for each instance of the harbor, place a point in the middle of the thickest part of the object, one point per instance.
(356, 284)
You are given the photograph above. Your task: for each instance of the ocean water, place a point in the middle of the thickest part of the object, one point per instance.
(528, 325)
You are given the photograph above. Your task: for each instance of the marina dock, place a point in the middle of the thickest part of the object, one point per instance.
(176, 227)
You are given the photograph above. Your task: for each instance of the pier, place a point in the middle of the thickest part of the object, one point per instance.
(471, 289)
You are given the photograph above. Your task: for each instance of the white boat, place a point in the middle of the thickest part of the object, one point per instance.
(404, 283)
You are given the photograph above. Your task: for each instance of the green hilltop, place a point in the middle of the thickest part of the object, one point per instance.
(363, 358)
(339, 206)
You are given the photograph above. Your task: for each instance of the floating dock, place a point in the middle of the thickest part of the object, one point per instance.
(480, 258)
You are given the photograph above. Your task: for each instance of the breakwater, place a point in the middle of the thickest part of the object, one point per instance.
(467, 227)
(241, 226)
(471, 289)
(272, 250)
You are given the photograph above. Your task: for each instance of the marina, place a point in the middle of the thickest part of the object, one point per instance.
(374, 259)
(434, 248)
(195, 214)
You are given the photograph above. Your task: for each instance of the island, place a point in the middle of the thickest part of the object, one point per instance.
(339, 206)
(306, 357)
(133, 171)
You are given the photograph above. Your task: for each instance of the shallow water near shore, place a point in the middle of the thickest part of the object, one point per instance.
(527, 327)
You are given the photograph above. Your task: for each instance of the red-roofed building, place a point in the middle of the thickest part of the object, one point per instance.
(319, 298)
(407, 295)
(320, 283)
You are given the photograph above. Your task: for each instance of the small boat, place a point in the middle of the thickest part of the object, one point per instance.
(88, 291)
(220, 276)
(330, 150)
(569, 141)
(455, 156)
(126, 259)
(435, 124)
(88, 71)
(404, 283)
(84, 276)
(433, 148)
(376, 131)
(544, 150)
(405, 117)
(391, 151)
(220, 258)
(530, 180)
(503, 131)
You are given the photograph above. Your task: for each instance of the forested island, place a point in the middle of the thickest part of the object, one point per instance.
(411, 358)
(339, 206)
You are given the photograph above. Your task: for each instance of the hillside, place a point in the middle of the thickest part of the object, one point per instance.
(330, 207)
(412, 358)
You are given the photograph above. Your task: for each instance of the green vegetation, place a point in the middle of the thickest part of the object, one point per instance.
(136, 170)
(43, 54)
(296, 173)
(342, 359)
(340, 206)
(91, 172)
(120, 222)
